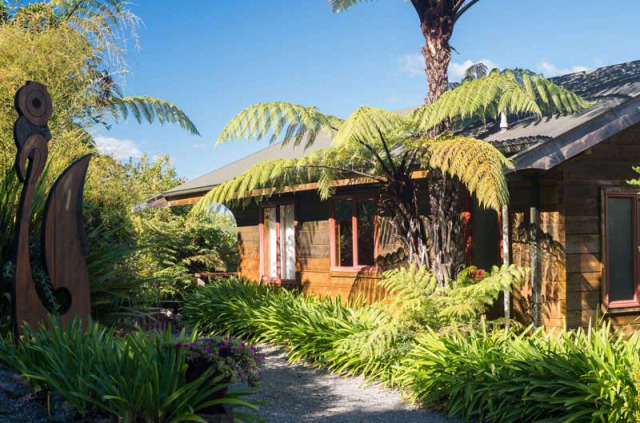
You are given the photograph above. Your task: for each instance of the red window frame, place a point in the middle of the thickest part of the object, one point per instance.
(278, 279)
(635, 198)
(354, 221)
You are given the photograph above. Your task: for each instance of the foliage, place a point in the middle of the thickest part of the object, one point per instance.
(362, 144)
(385, 148)
(581, 376)
(354, 338)
(137, 378)
(420, 302)
(184, 245)
(235, 360)
(310, 328)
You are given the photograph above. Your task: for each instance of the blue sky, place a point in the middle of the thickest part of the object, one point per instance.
(213, 58)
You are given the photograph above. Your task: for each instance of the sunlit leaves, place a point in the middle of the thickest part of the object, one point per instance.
(282, 121)
(477, 164)
(150, 109)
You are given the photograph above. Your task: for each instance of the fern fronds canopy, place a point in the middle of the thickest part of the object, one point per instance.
(384, 146)
(514, 92)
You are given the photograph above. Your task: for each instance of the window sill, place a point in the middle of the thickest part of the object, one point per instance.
(369, 271)
(623, 307)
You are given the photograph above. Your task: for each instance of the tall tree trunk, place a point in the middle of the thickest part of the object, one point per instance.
(399, 199)
(445, 230)
(436, 24)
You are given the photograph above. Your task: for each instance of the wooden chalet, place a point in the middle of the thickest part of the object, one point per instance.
(571, 206)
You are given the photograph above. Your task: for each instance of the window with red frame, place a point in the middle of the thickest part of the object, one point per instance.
(277, 243)
(353, 228)
(621, 248)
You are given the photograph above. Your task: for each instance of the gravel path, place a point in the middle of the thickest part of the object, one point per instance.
(300, 394)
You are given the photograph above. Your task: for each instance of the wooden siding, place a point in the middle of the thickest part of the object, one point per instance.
(313, 264)
(551, 257)
(570, 232)
(608, 164)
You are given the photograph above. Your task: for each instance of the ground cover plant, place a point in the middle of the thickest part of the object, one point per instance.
(137, 378)
(437, 351)
(575, 376)
(353, 338)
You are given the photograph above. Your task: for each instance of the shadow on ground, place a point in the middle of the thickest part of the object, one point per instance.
(296, 393)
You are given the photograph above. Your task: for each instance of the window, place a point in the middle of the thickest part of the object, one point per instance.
(277, 243)
(621, 248)
(353, 233)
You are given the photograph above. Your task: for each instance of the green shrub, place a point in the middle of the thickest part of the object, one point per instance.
(568, 377)
(138, 378)
(310, 328)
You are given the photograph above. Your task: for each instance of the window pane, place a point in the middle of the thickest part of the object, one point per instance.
(344, 233)
(620, 248)
(270, 263)
(365, 233)
(287, 243)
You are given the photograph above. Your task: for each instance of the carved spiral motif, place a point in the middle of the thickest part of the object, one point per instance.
(34, 103)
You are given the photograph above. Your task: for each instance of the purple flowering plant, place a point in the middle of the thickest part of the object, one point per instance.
(235, 360)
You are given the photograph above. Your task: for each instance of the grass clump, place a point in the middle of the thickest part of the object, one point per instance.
(575, 376)
(138, 378)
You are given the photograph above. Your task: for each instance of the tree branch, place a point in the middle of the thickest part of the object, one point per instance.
(464, 9)
(377, 156)
(74, 9)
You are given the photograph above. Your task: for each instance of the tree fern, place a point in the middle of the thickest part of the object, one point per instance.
(291, 121)
(511, 91)
(150, 109)
(477, 164)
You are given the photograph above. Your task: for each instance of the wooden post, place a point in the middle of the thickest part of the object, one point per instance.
(536, 288)
(506, 250)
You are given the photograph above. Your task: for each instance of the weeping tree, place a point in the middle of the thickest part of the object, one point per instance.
(386, 148)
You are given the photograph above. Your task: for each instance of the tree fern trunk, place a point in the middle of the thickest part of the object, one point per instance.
(400, 203)
(436, 23)
(445, 229)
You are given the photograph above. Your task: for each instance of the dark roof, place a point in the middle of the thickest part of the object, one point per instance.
(612, 87)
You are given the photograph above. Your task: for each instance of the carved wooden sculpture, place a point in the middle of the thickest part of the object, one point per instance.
(63, 238)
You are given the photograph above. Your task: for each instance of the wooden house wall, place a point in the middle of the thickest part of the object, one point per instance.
(608, 164)
(313, 263)
(551, 256)
(570, 232)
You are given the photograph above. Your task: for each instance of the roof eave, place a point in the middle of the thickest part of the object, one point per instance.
(550, 154)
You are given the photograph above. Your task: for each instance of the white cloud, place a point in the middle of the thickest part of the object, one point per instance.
(119, 149)
(456, 70)
(199, 145)
(412, 64)
(549, 69)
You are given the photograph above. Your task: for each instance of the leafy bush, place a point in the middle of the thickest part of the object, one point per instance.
(137, 378)
(500, 377)
(231, 358)
(310, 328)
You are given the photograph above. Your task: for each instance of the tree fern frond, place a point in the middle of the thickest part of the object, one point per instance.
(342, 5)
(150, 109)
(477, 164)
(295, 123)
(511, 91)
(368, 125)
